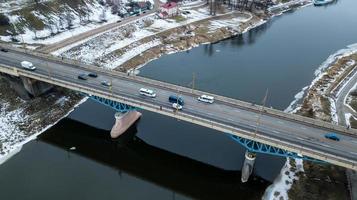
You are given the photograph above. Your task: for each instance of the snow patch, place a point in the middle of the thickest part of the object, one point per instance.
(282, 184)
(115, 61)
(11, 138)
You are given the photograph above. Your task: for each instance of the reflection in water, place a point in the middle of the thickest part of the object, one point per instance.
(255, 33)
(248, 38)
(131, 155)
(208, 49)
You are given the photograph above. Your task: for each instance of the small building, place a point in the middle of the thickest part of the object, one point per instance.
(169, 9)
(144, 5)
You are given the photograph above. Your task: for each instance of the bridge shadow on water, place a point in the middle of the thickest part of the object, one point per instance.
(129, 154)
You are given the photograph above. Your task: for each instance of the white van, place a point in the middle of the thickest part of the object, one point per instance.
(147, 92)
(27, 65)
(206, 99)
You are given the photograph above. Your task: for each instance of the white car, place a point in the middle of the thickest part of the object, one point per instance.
(27, 65)
(177, 106)
(206, 99)
(147, 92)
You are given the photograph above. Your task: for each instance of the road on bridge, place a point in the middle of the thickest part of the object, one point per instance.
(284, 131)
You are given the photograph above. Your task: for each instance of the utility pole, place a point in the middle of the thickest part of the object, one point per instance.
(193, 81)
(111, 86)
(261, 112)
(177, 100)
(49, 70)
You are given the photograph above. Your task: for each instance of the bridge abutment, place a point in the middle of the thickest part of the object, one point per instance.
(27, 88)
(34, 87)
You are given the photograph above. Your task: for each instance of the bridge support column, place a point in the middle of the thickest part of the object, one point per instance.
(125, 117)
(34, 87)
(27, 88)
(123, 121)
(248, 165)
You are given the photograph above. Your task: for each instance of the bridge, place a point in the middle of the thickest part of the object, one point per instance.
(278, 133)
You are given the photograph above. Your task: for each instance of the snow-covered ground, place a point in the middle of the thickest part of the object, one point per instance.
(59, 25)
(115, 61)
(12, 5)
(11, 137)
(283, 7)
(104, 45)
(56, 24)
(282, 184)
(216, 24)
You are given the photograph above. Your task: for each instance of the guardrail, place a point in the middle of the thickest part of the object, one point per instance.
(214, 124)
(159, 84)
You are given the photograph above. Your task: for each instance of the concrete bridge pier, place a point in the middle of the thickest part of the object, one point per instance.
(123, 121)
(27, 88)
(34, 87)
(248, 165)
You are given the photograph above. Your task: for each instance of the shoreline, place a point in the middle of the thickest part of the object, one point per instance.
(330, 78)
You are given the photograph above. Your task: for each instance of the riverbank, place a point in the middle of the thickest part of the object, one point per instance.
(319, 103)
(21, 121)
(132, 46)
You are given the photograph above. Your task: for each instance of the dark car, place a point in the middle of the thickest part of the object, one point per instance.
(332, 136)
(4, 50)
(118, 21)
(106, 83)
(176, 99)
(92, 74)
(82, 77)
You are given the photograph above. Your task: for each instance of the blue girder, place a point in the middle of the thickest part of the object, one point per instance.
(120, 107)
(258, 147)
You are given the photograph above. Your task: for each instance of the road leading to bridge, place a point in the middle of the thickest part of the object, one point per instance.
(226, 115)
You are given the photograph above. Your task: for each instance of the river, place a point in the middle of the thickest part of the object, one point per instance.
(162, 158)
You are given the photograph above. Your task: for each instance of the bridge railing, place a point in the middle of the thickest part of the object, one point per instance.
(206, 122)
(155, 83)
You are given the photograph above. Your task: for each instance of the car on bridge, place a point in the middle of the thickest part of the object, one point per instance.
(27, 65)
(82, 77)
(176, 99)
(4, 50)
(147, 92)
(206, 98)
(177, 106)
(332, 136)
(92, 74)
(106, 83)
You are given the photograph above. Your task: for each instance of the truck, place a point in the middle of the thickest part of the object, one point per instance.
(27, 65)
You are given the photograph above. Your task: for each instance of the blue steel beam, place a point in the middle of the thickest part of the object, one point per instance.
(257, 147)
(120, 107)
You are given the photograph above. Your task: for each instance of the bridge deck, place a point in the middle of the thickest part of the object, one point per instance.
(291, 132)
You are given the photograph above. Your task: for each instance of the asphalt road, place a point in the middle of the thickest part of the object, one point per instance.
(341, 108)
(296, 133)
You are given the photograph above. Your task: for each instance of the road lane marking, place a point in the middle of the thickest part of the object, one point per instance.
(325, 145)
